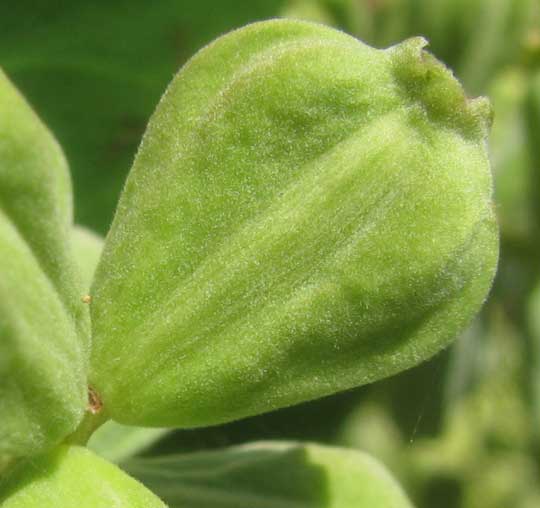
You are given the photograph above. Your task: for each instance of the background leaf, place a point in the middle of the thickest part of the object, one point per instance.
(474, 51)
(95, 72)
(116, 442)
(271, 475)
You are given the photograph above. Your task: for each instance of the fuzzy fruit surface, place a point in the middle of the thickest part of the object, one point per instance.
(44, 327)
(305, 214)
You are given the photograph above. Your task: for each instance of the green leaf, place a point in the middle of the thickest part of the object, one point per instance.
(306, 214)
(44, 326)
(116, 442)
(370, 428)
(271, 475)
(73, 477)
(87, 247)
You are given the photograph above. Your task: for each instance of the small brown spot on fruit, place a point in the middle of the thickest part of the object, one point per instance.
(86, 299)
(94, 402)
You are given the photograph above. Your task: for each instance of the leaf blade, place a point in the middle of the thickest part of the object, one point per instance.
(271, 475)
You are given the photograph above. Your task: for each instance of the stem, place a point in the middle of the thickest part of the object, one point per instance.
(86, 428)
(93, 418)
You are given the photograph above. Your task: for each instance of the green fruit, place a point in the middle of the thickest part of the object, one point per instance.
(305, 214)
(73, 477)
(44, 326)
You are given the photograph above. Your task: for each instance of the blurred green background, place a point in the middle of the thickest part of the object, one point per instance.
(460, 431)
(95, 70)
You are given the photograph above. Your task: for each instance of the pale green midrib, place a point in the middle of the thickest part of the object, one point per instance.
(296, 187)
